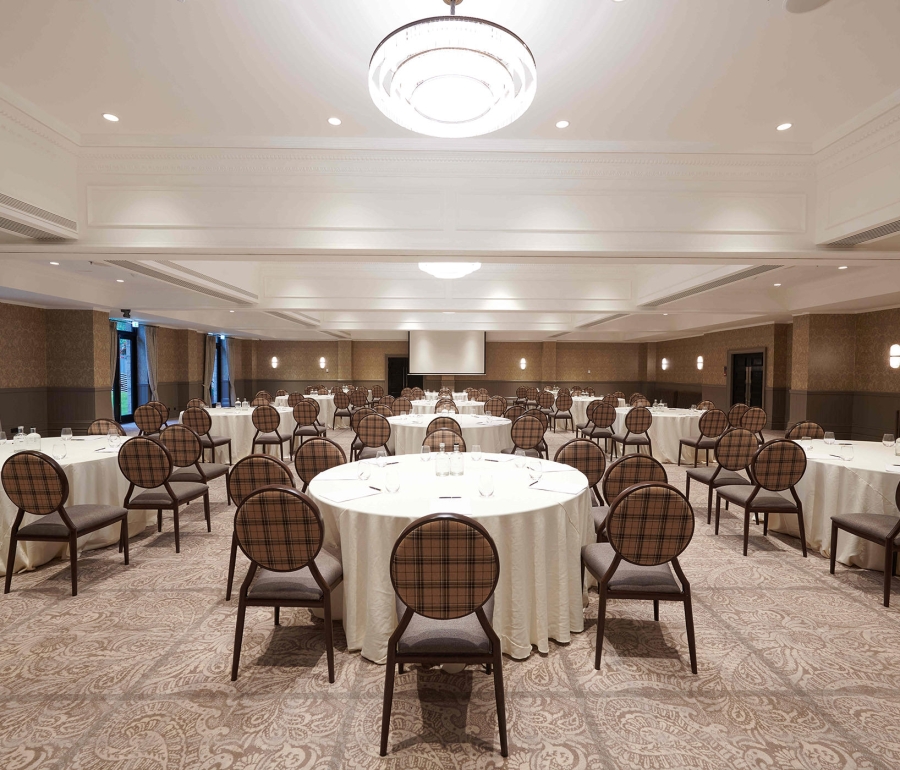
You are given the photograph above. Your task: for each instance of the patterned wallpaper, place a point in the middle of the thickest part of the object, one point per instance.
(832, 352)
(369, 362)
(70, 349)
(875, 333)
(608, 362)
(717, 345)
(102, 342)
(682, 360)
(172, 355)
(502, 361)
(196, 350)
(23, 346)
(800, 353)
(296, 360)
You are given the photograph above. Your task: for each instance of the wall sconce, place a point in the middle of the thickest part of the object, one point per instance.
(274, 362)
(895, 357)
(665, 364)
(322, 362)
(699, 362)
(522, 364)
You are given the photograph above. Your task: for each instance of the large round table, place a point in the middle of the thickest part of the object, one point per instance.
(669, 426)
(94, 477)
(465, 407)
(326, 408)
(237, 424)
(831, 486)
(539, 535)
(580, 405)
(492, 434)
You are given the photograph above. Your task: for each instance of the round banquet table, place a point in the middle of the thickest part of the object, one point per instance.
(539, 535)
(831, 486)
(326, 409)
(669, 426)
(238, 425)
(94, 477)
(492, 434)
(465, 407)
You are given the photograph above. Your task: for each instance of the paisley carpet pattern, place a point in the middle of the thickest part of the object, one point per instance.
(797, 669)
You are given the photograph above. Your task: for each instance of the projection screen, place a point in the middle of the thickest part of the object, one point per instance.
(446, 352)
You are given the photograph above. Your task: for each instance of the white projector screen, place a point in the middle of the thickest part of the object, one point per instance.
(446, 352)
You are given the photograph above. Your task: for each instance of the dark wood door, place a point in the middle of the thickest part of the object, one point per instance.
(747, 378)
(399, 376)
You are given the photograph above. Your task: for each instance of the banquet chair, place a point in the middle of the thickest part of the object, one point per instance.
(374, 432)
(804, 429)
(315, 405)
(443, 423)
(620, 475)
(633, 397)
(341, 406)
(706, 405)
(37, 485)
(162, 409)
(449, 438)
(637, 431)
(445, 604)
(777, 466)
(197, 402)
(495, 406)
(880, 528)
(483, 392)
(527, 433)
(583, 427)
(358, 399)
(309, 389)
(754, 420)
(602, 419)
(401, 405)
(264, 393)
(377, 393)
(185, 448)
(542, 447)
(247, 475)
(713, 423)
(280, 531)
(649, 526)
(406, 392)
(521, 395)
(483, 398)
(387, 401)
(445, 405)
(531, 398)
(589, 392)
(545, 402)
(735, 414)
(305, 423)
(418, 394)
(261, 401)
(148, 419)
(266, 419)
(445, 392)
(644, 402)
(147, 464)
(199, 421)
(733, 451)
(587, 457)
(102, 426)
(317, 455)
(576, 391)
(563, 411)
(295, 398)
(514, 412)
(281, 392)
(384, 411)
(619, 394)
(356, 446)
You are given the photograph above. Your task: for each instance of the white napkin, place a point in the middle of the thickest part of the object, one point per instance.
(108, 450)
(892, 468)
(460, 505)
(344, 474)
(351, 492)
(501, 458)
(567, 487)
(551, 467)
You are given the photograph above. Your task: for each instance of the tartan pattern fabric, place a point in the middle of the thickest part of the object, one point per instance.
(197, 419)
(563, 402)
(161, 408)
(445, 392)
(444, 436)
(418, 394)
(482, 391)
(444, 568)
(706, 405)
(148, 418)
(377, 392)
(34, 482)
(531, 394)
(778, 465)
(576, 391)
(102, 426)
(199, 402)
(266, 418)
(314, 404)
(650, 525)
(563, 390)
(538, 415)
(589, 411)
(546, 400)
(183, 445)
(357, 416)
(309, 389)
(643, 402)
(386, 400)
(402, 406)
(521, 393)
(735, 449)
(514, 412)
(754, 419)
(264, 393)
(586, 456)
(280, 529)
(295, 398)
(495, 406)
(735, 414)
(639, 419)
(604, 415)
(374, 430)
(304, 413)
(634, 397)
(445, 405)
(805, 428)
(359, 397)
(257, 471)
(144, 462)
(317, 455)
(713, 423)
(630, 470)
(341, 400)
(527, 432)
(443, 423)
(589, 392)
(406, 392)
(261, 401)
(483, 398)
(619, 394)
(384, 411)
(281, 392)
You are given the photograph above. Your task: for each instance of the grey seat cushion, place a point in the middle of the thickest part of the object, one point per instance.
(462, 635)
(875, 526)
(270, 438)
(83, 517)
(208, 441)
(306, 430)
(641, 439)
(212, 471)
(599, 512)
(297, 586)
(764, 500)
(659, 579)
(159, 497)
(725, 477)
(357, 444)
(700, 442)
(596, 432)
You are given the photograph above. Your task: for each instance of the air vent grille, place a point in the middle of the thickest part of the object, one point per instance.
(34, 211)
(137, 267)
(869, 235)
(28, 232)
(741, 275)
(210, 279)
(608, 319)
(304, 320)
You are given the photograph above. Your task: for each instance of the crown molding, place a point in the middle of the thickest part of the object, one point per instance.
(869, 138)
(34, 124)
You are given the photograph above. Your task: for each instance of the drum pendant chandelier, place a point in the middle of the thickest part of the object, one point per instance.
(452, 76)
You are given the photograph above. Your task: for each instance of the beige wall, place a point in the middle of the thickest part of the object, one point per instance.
(296, 360)
(607, 362)
(369, 359)
(832, 347)
(682, 360)
(718, 344)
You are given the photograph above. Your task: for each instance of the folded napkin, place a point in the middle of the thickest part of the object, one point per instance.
(892, 468)
(565, 486)
(344, 474)
(501, 459)
(351, 492)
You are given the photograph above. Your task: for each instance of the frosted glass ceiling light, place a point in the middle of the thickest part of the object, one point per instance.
(449, 269)
(452, 76)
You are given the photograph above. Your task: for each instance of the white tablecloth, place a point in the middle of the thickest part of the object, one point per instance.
(326, 408)
(539, 536)
(491, 434)
(465, 407)
(831, 486)
(238, 425)
(93, 478)
(667, 429)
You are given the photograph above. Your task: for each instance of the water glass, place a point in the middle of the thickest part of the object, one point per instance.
(807, 444)
(888, 439)
(534, 471)
(520, 458)
(59, 450)
(2, 436)
(829, 437)
(112, 438)
(392, 481)
(693, 407)
(380, 457)
(896, 447)
(426, 453)
(364, 472)
(847, 452)
(476, 453)
(65, 434)
(218, 404)
(486, 485)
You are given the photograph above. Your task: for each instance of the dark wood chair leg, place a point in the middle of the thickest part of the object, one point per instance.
(888, 563)
(159, 520)
(329, 637)
(177, 533)
(73, 561)
(123, 536)
(206, 512)
(709, 505)
(11, 556)
(680, 447)
(833, 557)
(802, 527)
(601, 623)
(656, 610)
(278, 616)
(689, 625)
(238, 638)
(388, 701)
(229, 452)
(746, 529)
(231, 565)
(718, 509)
(501, 703)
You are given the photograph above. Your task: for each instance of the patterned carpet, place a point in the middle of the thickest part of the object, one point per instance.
(797, 669)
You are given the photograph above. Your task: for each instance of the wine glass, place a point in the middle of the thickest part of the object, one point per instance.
(534, 471)
(364, 471)
(829, 437)
(847, 452)
(476, 453)
(65, 434)
(426, 453)
(380, 457)
(888, 439)
(520, 458)
(392, 481)
(486, 485)
(807, 444)
(59, 450)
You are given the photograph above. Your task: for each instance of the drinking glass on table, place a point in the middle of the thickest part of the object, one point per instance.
(380, 457)
(392, 481)
(520, 458)
(426, 453)
(65, 434)
(888, 439)
(476, 453)
(829, 437)
(534, 471)
(112, 438)
(486, 485)
(59, 450)
(807, 444)
(847, 452)
(364, 472)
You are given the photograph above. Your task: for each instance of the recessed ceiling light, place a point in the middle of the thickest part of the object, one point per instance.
(120, 280)
(776, 284)
(562, 124)
(665, 314)
(110, 117)
(334, 121)
(842, 267)
(230, 311)
(784, 126)
(55, 263)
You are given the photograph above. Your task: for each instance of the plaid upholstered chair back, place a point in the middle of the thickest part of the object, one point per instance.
(471, 393)
(527, 432)
(384, 411)
(577, 391)
(148, 418)
(713, 423)
(650, 524)
(314, 404)
(444, 566)
(522, 392)
(377, 392)
(634, 397)
(406, 392)
(611, 398)
(261, 401)
(778, 465)
(584, 455)
(604, 415)
(563, 389)
(444, 436)
(309, 389)
(514, 412)
(563, 402)
(257, 471)
(706, 405)
(198, 402)
(34, 482)
(266, 418)
(317, 455)
(495, 406)
(281, 392)
(445, 405)
(546, 400)
(387, 401)
(639, 419)
(183, 445)
(402, 405)
(482, 391)
(294, 399)
(754, 419)
(418, 394)
(443, 423)
(630, 470)
(589, 392)
(341, 400)
(145, 462)
(735, 414)
(357, 416)
(531, 394)
(619, 394)
(641, 402)
(374, 430)
(735, 449)
(197, 419)
(305, 413)
(279, 529)
(102, 427)
(264, 394)
(445, 393)
(805, 428)
(483, 398)
(538, 415)
(161, 408)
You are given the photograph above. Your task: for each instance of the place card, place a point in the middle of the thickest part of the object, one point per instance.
(564, 486)
(351, 492)
(450, 504)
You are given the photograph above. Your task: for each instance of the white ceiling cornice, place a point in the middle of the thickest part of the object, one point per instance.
(880, 132)
(37, 124)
